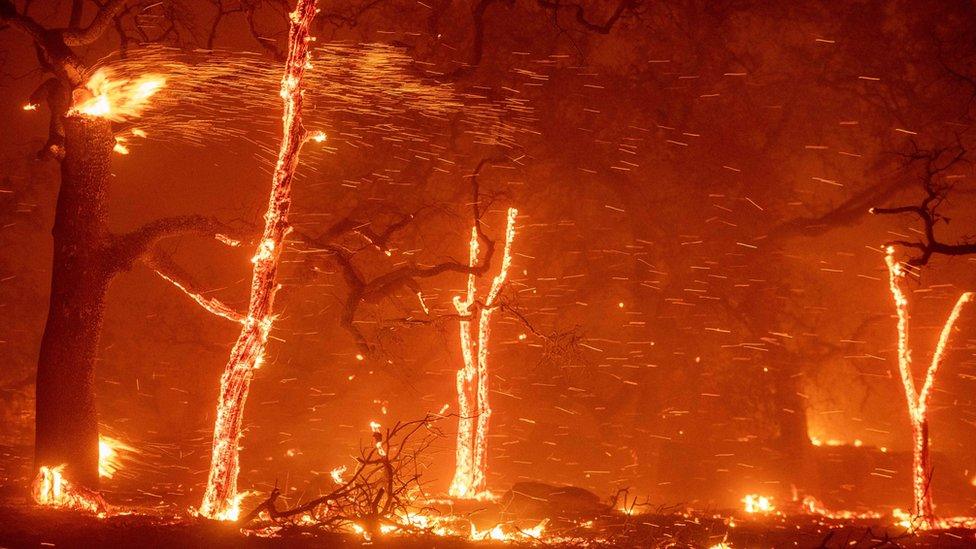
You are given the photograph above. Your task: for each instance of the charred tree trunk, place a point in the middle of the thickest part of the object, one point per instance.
(66, 419)
(792, 437)
(791, 442)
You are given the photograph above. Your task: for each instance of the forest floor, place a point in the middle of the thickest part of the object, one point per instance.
(28, 526)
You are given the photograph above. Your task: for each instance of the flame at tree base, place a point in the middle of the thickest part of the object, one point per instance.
(51, 489)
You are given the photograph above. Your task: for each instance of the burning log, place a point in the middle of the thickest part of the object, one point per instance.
(221, 500)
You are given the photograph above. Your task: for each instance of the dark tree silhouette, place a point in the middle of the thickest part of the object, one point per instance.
(935, 163)
(87, 256)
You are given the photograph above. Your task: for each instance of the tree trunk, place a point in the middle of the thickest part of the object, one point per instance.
(791, 443)
(66, 419)
(792, 438)
(922, 473)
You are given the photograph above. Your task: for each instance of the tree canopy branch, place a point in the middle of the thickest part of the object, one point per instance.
(580, 13)
(934, 162)
(100, 23)
(22, 23)
(126, 249)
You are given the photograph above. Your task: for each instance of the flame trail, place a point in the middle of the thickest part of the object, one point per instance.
(112, 452)
(117, 98)
(918, 401)
(221, 500)
(474, 410)
(358, 94)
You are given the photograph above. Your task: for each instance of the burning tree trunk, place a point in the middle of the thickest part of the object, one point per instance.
(918, 401)
(67, 424)
(221, 499)
(474, 410)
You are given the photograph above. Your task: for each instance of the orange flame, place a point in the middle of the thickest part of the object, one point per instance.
(111, 454)
(117, 98)
(50, 488)
(754, 503)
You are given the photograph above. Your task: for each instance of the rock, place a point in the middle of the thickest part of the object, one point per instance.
(538, 500)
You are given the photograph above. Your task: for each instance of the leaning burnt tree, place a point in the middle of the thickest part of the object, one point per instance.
(935, 165)
(87, 255)
(221, 499)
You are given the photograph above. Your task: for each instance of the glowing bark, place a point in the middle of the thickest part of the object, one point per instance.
(221, 499)
(464, 453)
(918, 401)
(474, 409)
(210, 304)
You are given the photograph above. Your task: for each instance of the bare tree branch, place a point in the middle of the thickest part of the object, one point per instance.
(383, 487)
(126, 249)
(23, 23)
(101, 22)
(167, 269)
(935, 163)
(580, 13)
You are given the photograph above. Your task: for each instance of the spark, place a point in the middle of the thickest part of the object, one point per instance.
(200, 98)
(221, 500)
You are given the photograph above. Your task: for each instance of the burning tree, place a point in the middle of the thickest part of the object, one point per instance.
(472, 380)
(935, 163)
(221, 499)
(87, 255)
(918, 401)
